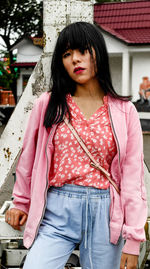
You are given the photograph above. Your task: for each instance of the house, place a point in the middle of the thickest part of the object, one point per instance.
(126, 29)
(29, 50)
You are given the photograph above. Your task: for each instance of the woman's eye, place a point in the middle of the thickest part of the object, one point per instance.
(82, 51)
(65, 55)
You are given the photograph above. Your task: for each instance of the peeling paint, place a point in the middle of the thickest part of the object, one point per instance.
(28, 107)
(37, 86)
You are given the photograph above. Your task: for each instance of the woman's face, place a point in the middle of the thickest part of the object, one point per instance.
(80, 66)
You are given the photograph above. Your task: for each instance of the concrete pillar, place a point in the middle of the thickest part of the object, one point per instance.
(125, 73)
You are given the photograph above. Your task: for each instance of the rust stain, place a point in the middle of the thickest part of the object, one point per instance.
(44, 39)
(7, 153)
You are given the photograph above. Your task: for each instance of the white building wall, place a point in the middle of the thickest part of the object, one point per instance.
(114, 46)
(119, 64)
(116, 73)
(140, 68)
(27, 52)
(20, 80)
(128, 65)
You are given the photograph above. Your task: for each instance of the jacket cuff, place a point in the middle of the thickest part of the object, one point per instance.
(22, 208)
(131, 247)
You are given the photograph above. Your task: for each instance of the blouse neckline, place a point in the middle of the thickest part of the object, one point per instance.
(74, 107)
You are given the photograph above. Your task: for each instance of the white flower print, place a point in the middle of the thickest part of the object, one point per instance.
(64, 135)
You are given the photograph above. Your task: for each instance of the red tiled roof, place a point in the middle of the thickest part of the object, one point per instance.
(23, 64)
(128, 21)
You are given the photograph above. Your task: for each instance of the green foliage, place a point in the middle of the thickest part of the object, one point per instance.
(6, 79)
(19, 18)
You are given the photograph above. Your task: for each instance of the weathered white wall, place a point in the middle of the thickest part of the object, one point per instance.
(57, 14)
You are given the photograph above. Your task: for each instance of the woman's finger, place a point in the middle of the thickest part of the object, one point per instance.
(12, 219)
(7, 216)
(23, 219)
(123, 261)
(16, 220)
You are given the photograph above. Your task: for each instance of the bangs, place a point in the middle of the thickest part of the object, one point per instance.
(74, 37)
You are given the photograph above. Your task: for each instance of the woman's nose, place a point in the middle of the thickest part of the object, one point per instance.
(75, 56)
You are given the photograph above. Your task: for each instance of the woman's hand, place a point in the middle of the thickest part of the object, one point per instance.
(15, 218)
(129, 260)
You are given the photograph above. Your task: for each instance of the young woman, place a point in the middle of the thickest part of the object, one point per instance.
(65, 199)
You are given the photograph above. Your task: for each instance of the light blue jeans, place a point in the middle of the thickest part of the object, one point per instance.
(75, 215)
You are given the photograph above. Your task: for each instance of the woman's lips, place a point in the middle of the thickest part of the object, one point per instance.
(79, 70)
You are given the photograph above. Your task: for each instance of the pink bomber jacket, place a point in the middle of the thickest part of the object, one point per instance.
(128, 211)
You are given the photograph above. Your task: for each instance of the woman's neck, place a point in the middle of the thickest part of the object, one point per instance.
(90, 90)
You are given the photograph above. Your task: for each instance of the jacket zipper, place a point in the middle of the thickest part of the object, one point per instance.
(115, 136)
(46, 188)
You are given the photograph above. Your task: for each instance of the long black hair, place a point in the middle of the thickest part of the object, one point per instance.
(82, 36)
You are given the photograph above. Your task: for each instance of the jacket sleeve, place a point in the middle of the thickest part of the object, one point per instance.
(133, 193)
(21, 191)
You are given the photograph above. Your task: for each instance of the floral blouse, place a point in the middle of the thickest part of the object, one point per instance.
(70, 164)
